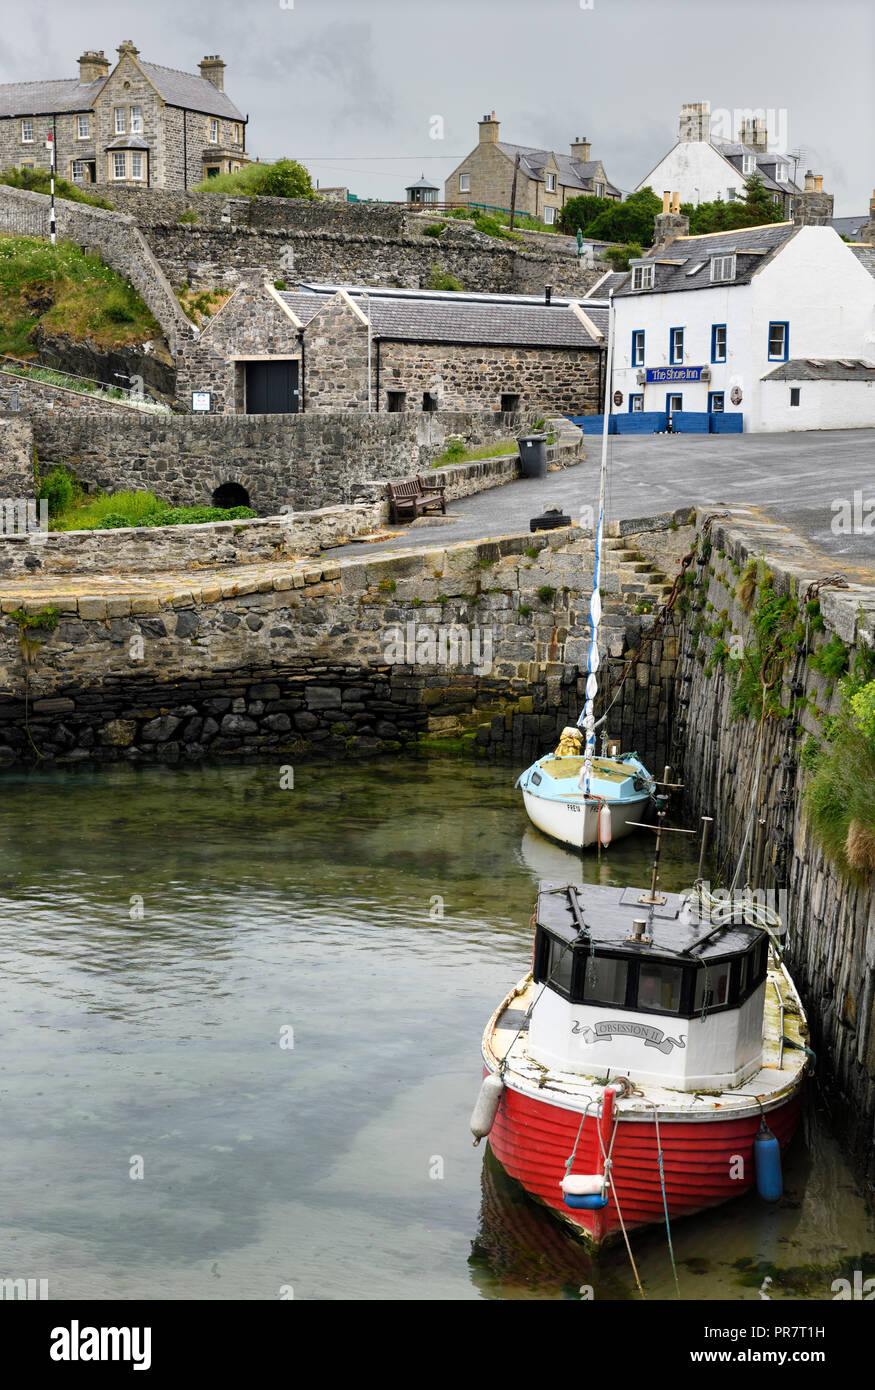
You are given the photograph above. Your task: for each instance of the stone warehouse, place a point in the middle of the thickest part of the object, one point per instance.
(138, 126)
(328, 348)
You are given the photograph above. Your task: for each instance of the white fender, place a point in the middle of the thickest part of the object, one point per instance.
(605, 825)
(486, 1108)
(583, 1184)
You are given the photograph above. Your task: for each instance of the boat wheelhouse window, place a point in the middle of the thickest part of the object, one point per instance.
(712, 986)
(559, 964)
(659, 987)
(742, 974)
(604, 980)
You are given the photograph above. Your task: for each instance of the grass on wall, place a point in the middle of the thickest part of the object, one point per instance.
(38, 181)
(840, 795)
(66, 291)
(70, 509)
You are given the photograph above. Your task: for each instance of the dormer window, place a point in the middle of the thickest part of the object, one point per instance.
(781, 173)
(748, 163)
(642, 277)
(550, 182)
(722, 268)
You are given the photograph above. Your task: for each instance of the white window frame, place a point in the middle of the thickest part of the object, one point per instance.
(781, 354)
(120, 113)
(748, 164)
(80, 122)
(722, 268)
(119, 155)
(550, 183)
(80, 177)
(137, 155)
(782, 173)
(677, 347)
(136, 120)
(599, 190)
(28, 124)
(642, 277)
(214, 131)
(636, 360)
(464, 183)
(716, 345)
(549, 216)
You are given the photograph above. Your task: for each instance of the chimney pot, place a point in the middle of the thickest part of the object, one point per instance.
(818, 183)
(666, 200)
(548, 293)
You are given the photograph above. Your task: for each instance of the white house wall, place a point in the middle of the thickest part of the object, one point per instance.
(697, 172)
(815, 284)
(823, 405)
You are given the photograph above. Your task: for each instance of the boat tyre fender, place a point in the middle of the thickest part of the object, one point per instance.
(486, 1107)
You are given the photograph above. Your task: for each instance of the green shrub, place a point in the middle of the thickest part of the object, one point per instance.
(831, 659)
(546, 594)
(618, 257)
(279, 284)
(443, 280)
(57, 489)
(285, 178)
(433, 229)
(189, 217)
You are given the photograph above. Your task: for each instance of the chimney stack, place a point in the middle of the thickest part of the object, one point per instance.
(581, 148)
(127, 46)
(754, 134)
(695, 122)
(489, 129)
(213, 69)
(867, 231)
(92, 65)
(813, 207)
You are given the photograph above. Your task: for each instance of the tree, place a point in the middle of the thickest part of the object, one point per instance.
(285, 178)
(628, 221)
(756, 209)
(579, 212)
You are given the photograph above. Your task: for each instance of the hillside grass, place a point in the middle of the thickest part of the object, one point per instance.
(71, 510)
(66, 291)
(38, 181)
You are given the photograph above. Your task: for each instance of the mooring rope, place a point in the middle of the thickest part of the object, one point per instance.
(674, 1269)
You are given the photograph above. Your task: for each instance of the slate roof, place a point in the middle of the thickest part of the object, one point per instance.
(823, 369)
(422, 182)
(849, 226)
(69, 94)
(48, 98)
(695, 253)
(612, 280)
(459, 320)
(734, 150)
(865, 255)
(573, 173)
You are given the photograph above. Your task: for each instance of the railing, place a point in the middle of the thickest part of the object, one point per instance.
(83, 385)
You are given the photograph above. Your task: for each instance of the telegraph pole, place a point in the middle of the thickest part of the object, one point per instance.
(50, 146)
(516, 165)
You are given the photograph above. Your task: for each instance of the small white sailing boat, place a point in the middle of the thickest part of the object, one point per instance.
(581, 799)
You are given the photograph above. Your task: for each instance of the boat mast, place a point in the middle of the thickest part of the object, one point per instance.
(587, 718)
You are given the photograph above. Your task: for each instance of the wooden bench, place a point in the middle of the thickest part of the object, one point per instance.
(408, 499)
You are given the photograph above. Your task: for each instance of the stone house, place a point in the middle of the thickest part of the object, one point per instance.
(139, 125)
(702, 169)
(545, 180)
(331, 348)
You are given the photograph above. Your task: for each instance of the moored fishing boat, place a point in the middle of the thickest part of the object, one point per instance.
(651, 1063)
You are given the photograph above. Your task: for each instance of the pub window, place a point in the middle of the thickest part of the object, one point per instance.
(638, 348)
(509, 402)
(794, 395)
(642, 277)
(604, 979)
(429, 402)
(778, 342)
(396, 402)
(659, 987)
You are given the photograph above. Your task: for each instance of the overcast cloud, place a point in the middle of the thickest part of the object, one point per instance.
(351, 88)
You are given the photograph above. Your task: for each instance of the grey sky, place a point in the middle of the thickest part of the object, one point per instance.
(345, 85)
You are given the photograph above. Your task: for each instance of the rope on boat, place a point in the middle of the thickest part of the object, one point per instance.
(674, 1269)
(606, 1157)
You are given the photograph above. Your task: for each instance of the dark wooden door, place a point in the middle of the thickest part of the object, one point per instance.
(271, 388)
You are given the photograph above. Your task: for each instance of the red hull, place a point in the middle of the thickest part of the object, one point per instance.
(532, 1140)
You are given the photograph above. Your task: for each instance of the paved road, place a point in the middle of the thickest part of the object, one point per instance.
(797, 479)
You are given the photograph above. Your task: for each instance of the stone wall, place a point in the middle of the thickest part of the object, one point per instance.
(831, 942)
(16, 457)
(465, 378)
(323, 659)
(300, 461)
(115, 237)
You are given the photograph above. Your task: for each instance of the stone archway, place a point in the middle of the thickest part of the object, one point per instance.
(231, 495)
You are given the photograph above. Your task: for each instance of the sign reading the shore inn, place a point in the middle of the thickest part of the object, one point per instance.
(674, 373)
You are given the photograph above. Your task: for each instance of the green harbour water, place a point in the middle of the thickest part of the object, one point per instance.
(269, 1002)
